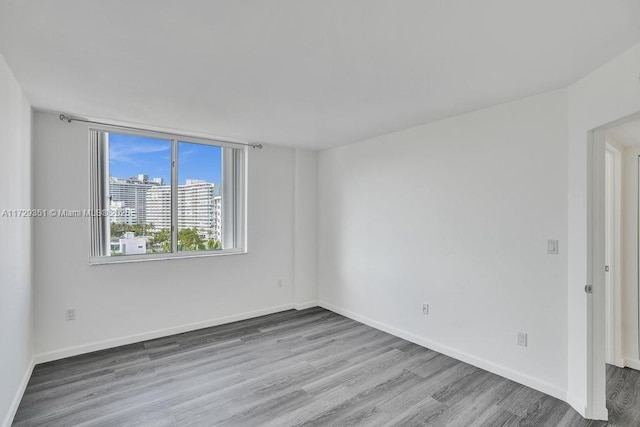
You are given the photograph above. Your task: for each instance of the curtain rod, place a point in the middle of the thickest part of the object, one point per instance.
(70, 119)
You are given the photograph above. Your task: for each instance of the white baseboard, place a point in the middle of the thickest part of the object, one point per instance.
(8, 419)
(509, 373)
(599, 414)
(305, 305)
(577, 404)
(131, 339)
(632, 363)
(620, 363)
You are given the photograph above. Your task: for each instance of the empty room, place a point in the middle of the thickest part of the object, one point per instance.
(331, 213)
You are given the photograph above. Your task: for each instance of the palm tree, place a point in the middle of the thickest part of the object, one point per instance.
(190, 239)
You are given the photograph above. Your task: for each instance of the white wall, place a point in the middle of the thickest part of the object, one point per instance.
(460, 182)
(630, 255)
(305, 232)
(605, 95)
(128, 302)
(15, 251)
(456, 214)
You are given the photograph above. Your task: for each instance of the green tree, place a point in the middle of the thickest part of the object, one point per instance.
(214, 244)
(160, 241)
(118, 230)
(190, 240)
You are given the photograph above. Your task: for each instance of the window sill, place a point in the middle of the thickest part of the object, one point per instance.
(125, 259)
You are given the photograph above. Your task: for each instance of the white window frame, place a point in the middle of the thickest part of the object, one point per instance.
(233, 192)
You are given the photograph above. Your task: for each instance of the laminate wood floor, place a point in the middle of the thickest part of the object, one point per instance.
(310, 367)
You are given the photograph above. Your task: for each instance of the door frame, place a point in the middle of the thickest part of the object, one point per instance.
(596, 372)
(614, 333)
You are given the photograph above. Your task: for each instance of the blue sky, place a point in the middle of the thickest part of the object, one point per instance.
(132, 155)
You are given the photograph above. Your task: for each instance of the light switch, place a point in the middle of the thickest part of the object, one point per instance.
(552, 247)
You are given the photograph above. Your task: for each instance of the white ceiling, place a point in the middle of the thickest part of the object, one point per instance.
(303, 73)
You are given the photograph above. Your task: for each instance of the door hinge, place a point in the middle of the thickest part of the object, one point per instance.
(606, 268)
(588, 289)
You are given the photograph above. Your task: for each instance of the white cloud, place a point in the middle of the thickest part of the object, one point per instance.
(129, 153)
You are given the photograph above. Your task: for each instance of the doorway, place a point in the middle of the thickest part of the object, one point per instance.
(622, 241)
(614, 253)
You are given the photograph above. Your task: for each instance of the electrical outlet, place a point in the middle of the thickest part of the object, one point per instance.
(522, 339)
(425, 309)
(71, 314)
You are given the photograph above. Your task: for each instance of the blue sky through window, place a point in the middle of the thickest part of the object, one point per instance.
(131, 155)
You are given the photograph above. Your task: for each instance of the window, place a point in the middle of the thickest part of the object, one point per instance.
(159, 196)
